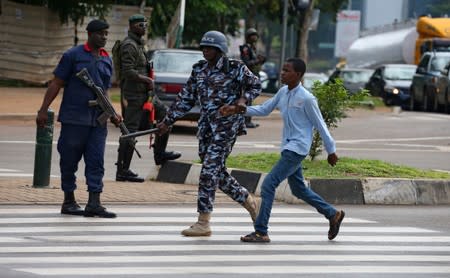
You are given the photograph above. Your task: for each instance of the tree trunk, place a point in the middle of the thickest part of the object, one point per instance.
(304, 20)
(271, 32)
(250, 21)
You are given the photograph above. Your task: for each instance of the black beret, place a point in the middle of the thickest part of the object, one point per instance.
(97, 25)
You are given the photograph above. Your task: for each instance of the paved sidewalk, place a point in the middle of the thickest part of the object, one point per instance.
(21, 191)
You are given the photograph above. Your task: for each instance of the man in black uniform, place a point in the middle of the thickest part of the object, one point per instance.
(135, 86)
(252, 60)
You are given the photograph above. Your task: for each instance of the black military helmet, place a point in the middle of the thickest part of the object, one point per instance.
(251, 31)
(215, 39)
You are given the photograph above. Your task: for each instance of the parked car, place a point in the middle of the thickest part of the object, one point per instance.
(424, 84)
(392, 83)
(443, 90)
(354, 78)
(170, 69)
(310, 77)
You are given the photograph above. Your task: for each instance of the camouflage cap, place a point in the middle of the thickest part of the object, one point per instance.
(136, 18)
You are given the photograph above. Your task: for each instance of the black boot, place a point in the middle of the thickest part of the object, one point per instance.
(249, 123)
(94, 207)
(70, 206)
(159, 150)
(125, 155)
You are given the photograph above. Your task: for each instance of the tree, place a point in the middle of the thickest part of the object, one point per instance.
(200, 17)
(304, 17)
(299, 17)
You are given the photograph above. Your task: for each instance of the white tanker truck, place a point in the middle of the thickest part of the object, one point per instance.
(402, 45)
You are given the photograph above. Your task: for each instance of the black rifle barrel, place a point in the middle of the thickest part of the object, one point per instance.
(139, 133)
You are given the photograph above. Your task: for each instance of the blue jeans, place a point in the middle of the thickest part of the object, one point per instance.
(289, 166)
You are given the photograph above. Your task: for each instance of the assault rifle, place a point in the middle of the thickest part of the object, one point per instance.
(105, 105)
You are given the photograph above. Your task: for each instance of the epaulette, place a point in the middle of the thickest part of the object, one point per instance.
(200, 63)
(234, 63)
(230, 64)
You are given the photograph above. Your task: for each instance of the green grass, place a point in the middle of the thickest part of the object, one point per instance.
(345, 168)
(377, 101)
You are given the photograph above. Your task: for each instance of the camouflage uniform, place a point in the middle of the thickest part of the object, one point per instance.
(253, 61)
(213, 88)
(250, 58)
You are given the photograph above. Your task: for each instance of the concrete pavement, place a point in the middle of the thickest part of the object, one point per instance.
(176, 181)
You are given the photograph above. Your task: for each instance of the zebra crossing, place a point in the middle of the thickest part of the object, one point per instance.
(145, 241)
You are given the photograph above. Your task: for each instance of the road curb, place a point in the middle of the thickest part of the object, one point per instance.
(18, 117)
(370, 191)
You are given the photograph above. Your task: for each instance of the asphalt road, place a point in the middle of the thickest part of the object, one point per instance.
(415, 139)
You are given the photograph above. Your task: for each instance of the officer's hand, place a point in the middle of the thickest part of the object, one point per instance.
(227, 110)
(116, 120)
(41, 118)
(147, 80)
(163, 128)
(150, 84)
(332, 159)
(241, 105)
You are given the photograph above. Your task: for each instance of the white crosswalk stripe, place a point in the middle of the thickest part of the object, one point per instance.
(145, 241)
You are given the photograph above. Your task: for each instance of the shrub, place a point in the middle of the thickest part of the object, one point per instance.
(334, 101)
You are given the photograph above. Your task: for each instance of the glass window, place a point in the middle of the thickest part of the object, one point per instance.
(377, 73)
(424, 62)
(175, 62)
(356, 76)
(399, 73)
(438, 63)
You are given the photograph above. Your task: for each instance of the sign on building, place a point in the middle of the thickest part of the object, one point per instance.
(347, 31)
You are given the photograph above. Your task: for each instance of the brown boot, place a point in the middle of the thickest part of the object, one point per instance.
(252, 204)
(201, 227)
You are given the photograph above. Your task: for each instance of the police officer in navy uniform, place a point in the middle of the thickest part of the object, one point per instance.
(214, 82)
(252, 60)
(135, 86)
(81, 135)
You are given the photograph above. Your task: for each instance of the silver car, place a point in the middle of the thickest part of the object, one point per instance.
(170, 69)
(354, 78)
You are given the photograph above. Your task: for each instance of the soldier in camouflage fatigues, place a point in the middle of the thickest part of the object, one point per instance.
(252, 60)
(214, 83)
(249, 55)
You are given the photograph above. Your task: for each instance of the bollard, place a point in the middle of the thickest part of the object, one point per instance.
(43, 152)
